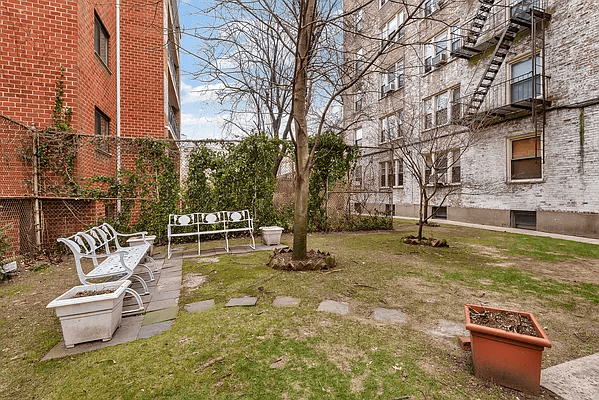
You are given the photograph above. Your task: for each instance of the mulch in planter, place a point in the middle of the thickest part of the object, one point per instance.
(88, 293)
(504, 320)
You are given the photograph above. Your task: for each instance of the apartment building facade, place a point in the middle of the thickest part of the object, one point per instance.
(117, 65)
(502, 98)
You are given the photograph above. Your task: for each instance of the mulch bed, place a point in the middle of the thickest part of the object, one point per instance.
(504, 320)
(89, 293)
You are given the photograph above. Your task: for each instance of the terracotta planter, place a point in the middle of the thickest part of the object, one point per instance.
(507, 358)
(271, 235)
(88, 318)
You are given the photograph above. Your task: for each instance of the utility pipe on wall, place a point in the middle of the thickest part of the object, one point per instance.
(118, 97)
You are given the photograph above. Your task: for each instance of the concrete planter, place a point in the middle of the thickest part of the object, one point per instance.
(88, 318)
(507, 358)
(136, 241)
(271, 235)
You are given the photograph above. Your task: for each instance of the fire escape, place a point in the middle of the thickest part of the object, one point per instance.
(520, 95)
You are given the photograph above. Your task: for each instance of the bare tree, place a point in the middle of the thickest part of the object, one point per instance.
(310, 65)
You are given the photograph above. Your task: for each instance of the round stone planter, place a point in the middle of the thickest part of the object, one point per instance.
(507, 358)
(93, 317)
(271, 235)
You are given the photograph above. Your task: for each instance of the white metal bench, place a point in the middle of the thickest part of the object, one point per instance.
(221, 222)
(96, 244)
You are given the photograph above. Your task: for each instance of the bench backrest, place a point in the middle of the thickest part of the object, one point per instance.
(218, 220)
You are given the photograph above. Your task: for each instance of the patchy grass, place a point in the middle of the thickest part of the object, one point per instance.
(265, 352)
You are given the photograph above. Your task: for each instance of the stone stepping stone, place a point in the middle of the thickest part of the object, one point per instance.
(154, 329)
(283, 301)
(162, 304)
(200, 306)
(242, 302)
(335, 307)
(153, 317)
(389, 315)
(448, 329)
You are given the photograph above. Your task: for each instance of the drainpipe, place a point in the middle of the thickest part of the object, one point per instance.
(118, 97)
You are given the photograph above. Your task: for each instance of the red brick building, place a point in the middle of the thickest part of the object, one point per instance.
(118, 63)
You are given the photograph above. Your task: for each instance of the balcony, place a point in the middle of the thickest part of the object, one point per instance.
(517, 96)
(173, 124)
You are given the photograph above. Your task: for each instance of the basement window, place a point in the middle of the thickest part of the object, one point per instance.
(524, 219)
(100, 40)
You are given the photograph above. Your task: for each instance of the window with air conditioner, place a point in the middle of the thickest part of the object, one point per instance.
(441, 53)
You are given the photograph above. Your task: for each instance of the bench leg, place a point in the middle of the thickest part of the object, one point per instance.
(137, 298)
(253, 245)
(169, 249)
(226, 242)
(150, 273)
(142, 282)
(154, 268)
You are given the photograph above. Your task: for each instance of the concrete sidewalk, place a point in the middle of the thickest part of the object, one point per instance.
(510, 230)
(574, 380)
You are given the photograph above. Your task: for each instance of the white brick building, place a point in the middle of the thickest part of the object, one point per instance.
(521, 77)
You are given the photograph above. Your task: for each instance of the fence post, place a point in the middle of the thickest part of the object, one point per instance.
(36, 200)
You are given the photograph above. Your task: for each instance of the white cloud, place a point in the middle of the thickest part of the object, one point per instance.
(200, 93)
(201, 127)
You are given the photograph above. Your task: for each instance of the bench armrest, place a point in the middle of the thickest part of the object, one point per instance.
(143, 234)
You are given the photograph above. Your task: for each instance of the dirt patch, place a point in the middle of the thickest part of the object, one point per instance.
(193, 281)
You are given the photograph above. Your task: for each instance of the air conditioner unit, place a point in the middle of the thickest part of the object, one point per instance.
(391, 86)
(440, 59)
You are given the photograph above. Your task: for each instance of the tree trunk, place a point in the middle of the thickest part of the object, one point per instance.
(300, 111)
(420, 216)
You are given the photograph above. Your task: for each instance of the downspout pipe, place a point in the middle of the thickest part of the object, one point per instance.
(118, 97)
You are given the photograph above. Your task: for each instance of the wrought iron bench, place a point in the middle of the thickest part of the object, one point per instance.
(109, 260)
(220, 222)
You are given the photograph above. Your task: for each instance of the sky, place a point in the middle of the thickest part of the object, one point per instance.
(199, 110)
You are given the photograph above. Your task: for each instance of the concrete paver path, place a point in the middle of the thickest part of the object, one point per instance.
(574, 380)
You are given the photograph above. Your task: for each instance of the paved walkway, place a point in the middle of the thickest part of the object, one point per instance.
(511, 230)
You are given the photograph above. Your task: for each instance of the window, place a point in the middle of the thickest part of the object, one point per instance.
(428, 114)
(442, 167)
(358, 101)
(440, 47)
(429, 7)
(440, 105)
(455, 167)
(382, 3)
(359, 61)
(102, 129)
(386, 174)
(525, 158)
(456, 106)
(523, 219)
(398, 173)
(359, 20)
(521, 8)
(393, 29)
(358, 137)
(392, 79)
(429, 52)
(441, 112)
(100, 40)
(388, 128)
(358, 176)
(456, 41)
(525, 82)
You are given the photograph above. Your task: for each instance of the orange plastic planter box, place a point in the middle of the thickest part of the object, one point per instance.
(507, 358)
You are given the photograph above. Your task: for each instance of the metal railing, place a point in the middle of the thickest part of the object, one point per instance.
(518, 90)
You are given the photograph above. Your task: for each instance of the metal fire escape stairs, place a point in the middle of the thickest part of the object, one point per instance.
(475, 29)
(497, 58)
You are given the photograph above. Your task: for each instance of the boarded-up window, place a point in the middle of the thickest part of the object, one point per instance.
(526, 158)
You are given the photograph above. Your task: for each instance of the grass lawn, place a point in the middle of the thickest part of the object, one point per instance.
(265, 352)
